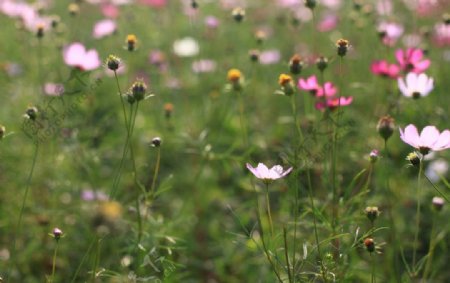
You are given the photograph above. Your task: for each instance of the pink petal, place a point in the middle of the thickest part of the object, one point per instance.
(421, 66)
(429, 136)
(410, 136)
(74, 53)
(253, 170)
(443, 141)
(403, 89)
(400, 57)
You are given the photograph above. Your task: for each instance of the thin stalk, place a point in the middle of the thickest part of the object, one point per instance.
(437, 190)
(96, 261)
(372, 259)
(416, 234)
(433, 239)
(269, 214)
(54, 263)
(155, 173)
(241, 117)
(83, 260)
(316, 235)
(286, 255)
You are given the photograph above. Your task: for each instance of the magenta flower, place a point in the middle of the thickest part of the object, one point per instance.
(310, 84)
(104, 28)
(334, 102)
(411, 60)
(384, 69)
(76, 55)
(429, 139)
(266, 174)
(328, 23)
(415, 85)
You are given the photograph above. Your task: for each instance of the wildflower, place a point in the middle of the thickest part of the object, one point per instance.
(40, 30)
(266, 174)
(212, 22)
(131, 42)
(269, 57)
(374, 155)
(328, 23)
(74, 9)
(390, 32)
(194, 4)
(310, 84)
(438, 203)
(333, 103)
(104, 28)
(57, 233)
(156, 142)
(186, 47)
(385, 127)
(76, 55)
(53, 89)
(372, 213)
(238, 14)
(411, 60)
(168, 110)
(342, 46)
(436, 169)
(296, 64)
(113, 62)
(429, 139)
(254, 55)
(2, 131)
(260, 36)
(415, 85)
(370, 245)
(287, 86)
(384, 69)
(204, 66)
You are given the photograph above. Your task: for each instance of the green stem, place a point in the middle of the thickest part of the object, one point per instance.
(96, 261)
(373, 267)
(316, 235)
(286, 255)
(155, 173)
(416, 234)
(430, 251)
(269, 214)
(241, 117)
(437, 190)
(54, 263)
(83, 260)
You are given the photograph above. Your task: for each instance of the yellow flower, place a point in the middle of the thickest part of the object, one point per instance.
(284, 79)
(234, 75)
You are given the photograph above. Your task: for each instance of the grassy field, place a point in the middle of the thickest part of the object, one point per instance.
(132, 132)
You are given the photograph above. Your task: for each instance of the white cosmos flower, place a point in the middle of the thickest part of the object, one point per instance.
(186, 47)
(416, 85)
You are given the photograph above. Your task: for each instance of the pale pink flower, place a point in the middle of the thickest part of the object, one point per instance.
(383, 68)
(266, 174)
(441, 34)
(310, 84)
(269, 57)
(104, 28)
(53, 89)
(384, 7)
(212, 22)
(204, 66)
(415, 85)
(391, 32)
(429, 138)
(328, 23)
(110, 10)
(411, 60)
(76, 55)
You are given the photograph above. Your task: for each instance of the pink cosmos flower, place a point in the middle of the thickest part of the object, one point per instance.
(212, 22)
(429, 139)
(383, 68)
(266, 174)
(311, 85)
(53, 89)
(411, 60)
(110, 10)
(328, 23)
(104, 28)
(204, 66)
(76, 55)
(269, 57)
(391, 32)
(333, 103)
(415, 85)
(441, 34)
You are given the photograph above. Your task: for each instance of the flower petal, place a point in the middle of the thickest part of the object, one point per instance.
(429, 136)
(410, 136)
(443, 141)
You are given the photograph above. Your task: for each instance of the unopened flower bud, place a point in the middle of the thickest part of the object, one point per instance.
(295, 64)
(254, 55)
(40, 30)
(57, 233)
(342, 46)
(156, 142)
(238, 14)
(413, 158)
(194, 4)
(372, 213)
(168, 109)
(370, 245)
(74, 9)
(235, 78)
(260, 36)
(385, 127)
(2, 131)
(438, 203)
(311, 4)
(113, 62)
(285, 81)
(374, 155)
(131, 42)
(130, 97)
(322, 63)
(446, 18)
(31, 113)
(138, 89)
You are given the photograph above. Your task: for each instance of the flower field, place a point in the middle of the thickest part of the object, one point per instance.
(224, 141)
